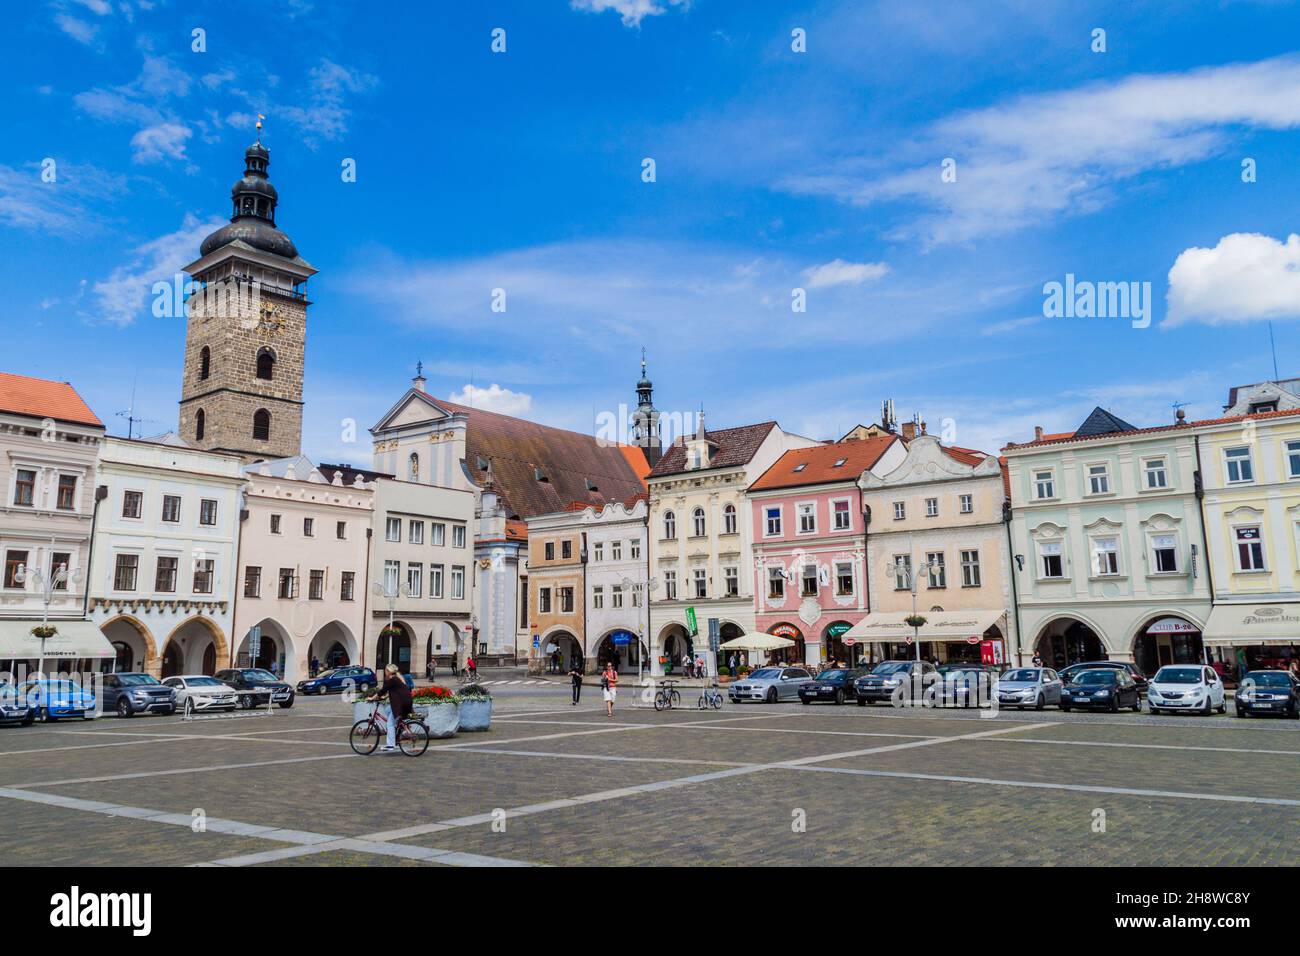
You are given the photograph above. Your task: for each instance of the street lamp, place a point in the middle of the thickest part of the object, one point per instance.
(391, 591)
(912, 574)
(46, 585)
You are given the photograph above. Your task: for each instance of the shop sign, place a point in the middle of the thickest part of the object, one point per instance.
(1173, 625)
(786, 630)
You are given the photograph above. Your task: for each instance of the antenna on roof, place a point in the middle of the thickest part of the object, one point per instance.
(1178, 407)
(1273, 348)
(131, 418)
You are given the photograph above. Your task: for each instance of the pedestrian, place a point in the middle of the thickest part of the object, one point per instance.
(699, 666)
(609, 687)
(315, 665)
(575, 677)
(1038, 659)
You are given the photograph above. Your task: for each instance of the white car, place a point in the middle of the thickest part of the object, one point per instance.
(199, 692)
(1186, 687)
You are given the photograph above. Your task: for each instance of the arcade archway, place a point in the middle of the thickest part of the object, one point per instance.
(1066, 640)
(1167, 639)
(394, 646)
(196, 646)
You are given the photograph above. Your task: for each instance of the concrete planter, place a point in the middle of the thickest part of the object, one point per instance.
(443, 720)
(476, 714)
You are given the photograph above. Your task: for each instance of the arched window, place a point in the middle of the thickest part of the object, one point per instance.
(265, 363)
(261, 425)
(670, 525)
(413, 469)
(200, 422)
(729, 519)
(697, 522)
(205, 363)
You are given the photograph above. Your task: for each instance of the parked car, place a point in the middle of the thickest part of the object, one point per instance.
(830, 685)
(256, 685)
(14, 708)
(1268, 692)
(1108, 687)
(770, 684)
(201, 693)
(1029, 687)
(351, 676)
(129, 694)
(889, 676)
(1186, 687)
(1067, 673)
(964, 685)
(55, 699)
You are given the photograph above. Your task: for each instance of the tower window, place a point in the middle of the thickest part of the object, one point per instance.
(261, 425)
(265, 364)
(205, 363)
(200, 420)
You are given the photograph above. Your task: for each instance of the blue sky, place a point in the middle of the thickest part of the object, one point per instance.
(775, 170)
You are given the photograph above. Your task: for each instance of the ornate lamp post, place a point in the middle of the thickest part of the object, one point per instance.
(391, 591)
(45, 586)
(913, 572)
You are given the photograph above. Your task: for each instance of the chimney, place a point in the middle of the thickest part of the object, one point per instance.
(909, 431)
(1038, 433)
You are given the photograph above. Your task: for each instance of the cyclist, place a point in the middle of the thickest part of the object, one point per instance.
(471, 666)
(399, 703)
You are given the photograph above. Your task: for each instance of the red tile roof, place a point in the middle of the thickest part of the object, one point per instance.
(819, 463)
(517, 530)
(733, 447)
(39, 398)
(1063, 438)
(967, 456)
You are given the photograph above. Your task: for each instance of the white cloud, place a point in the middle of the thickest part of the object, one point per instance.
(325, 114)
(1245, 277)
(157, 143)
(124, 296)
(632, 11)
(28, 202)
(494, 399)
(79, 30)
(839, 272)
(1010, 325)
(101, 7)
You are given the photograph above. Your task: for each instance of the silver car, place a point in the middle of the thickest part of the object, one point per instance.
(1023, 687)
(770, 684)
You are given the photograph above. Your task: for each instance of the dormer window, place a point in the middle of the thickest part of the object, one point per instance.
(540, 475)
(801, 466)
(839, 462)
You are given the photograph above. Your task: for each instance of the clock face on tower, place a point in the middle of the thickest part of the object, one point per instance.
(270, 320)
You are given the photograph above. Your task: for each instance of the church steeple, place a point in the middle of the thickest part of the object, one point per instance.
(645, 420)
(253, 200)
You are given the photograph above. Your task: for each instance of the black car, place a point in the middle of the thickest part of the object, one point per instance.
(15, 707)
(1268, 692)
(834, 686)
(1109, 687)
(965, 685)
(255, 685)
(889, 677)
(1067, 674)
(129, 694)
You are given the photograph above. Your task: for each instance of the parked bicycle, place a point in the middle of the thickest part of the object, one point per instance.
(412, 735)
(667, 696)
(710, 697)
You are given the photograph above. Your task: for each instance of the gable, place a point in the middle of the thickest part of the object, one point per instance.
(414, 408)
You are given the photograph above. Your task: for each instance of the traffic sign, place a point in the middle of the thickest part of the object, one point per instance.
(254, 643)
(850, 641)
(715, 634)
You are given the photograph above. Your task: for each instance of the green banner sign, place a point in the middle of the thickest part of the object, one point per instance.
(838, 628)
(691, 623)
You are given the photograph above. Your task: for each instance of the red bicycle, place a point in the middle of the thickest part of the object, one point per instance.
(412, 735)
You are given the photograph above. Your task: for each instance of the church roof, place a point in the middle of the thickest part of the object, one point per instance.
(40, 398)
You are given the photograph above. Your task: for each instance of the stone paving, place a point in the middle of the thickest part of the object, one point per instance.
(552, 784)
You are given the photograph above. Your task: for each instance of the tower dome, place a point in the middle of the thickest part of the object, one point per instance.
(253, 217)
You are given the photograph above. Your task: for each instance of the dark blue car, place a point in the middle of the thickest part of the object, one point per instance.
(351, 676)
(14, 708)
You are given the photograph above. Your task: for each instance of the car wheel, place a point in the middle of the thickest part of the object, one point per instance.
(286, 704)
(861, 702)
(1114, 704)
(246, 702)
(839, 696)
(1065, 707)
(1208, 709)
(1239, 712)
(170, 711)
(1223, 707)
(124, 707)
(1137, 705)
(28, 720)
(43, 715)
(771, 695)
(1038, 704)
(804, 700)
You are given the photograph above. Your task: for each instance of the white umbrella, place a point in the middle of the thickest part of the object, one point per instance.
(756, 642)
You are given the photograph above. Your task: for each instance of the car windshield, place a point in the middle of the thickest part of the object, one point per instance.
(1178, 675)
(329, 674)
(766, 673)
(57, 686)
(135, 680)
(891, 667)
(830, 675)
(1026, 675)
(204, 682)
(1269, 678)
(258, 674)
(1096, 677)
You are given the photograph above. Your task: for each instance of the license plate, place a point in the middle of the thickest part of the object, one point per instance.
(1082, 700)
(1263, 705)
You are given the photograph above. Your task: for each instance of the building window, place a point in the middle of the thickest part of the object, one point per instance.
(970, 569)
(1293, 459)
(697, 523)
(566, 600)
(616, 550)
(1164, 553)
(841, 517)
(1239, 465)
(548, 551)
(1044, 485)
(203, 574)
(731, 581)
(809, 580)
(124, 572)
(1105, 556)
(967, 504)
(1156, 475)
(1052, 564)
(775, 584)
(900, 510)
(347, 585)
(205, 363)
(60, 559)
(932, 507)
(252, 582)
(1099, 479)
(392, 576)
(598, 551)
(265, 364)
(701, 579)
(171, 510)
(636, 598)
(261, 425)
(132, 504)
(773, 522)
(393, 529)
(435, 581)
(164, 576)
(13, 561)
(286, 587)
(415, 532)
(437, 534)
(616, 594)
(25, 488)
(309, 527)
(566, 549)
(67, 493)
(634, 547)
(458, 536)
(670, 526)
(598, 597)
(1250, 549)
(670, 585)
(341, 530)
(902, 572)
(543, 600)
(413, 467)
(938, 573)
(275, 524)
(843, 579)
(807, 518)
(729, 519)
(200, 423)
(415, 579)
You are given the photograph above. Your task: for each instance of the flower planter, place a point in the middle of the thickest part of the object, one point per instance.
(443, 720)
(475, 714)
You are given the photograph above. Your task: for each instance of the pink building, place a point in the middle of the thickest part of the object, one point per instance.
(810, 580)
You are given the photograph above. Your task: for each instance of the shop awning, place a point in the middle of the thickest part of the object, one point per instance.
(1246, 624)
(756, 642)
(74, 640)
(939, 625)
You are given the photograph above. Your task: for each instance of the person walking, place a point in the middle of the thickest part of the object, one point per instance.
(315, 665)
(609, 687)
(575, 677)
(1038, 659)
(399, 703)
